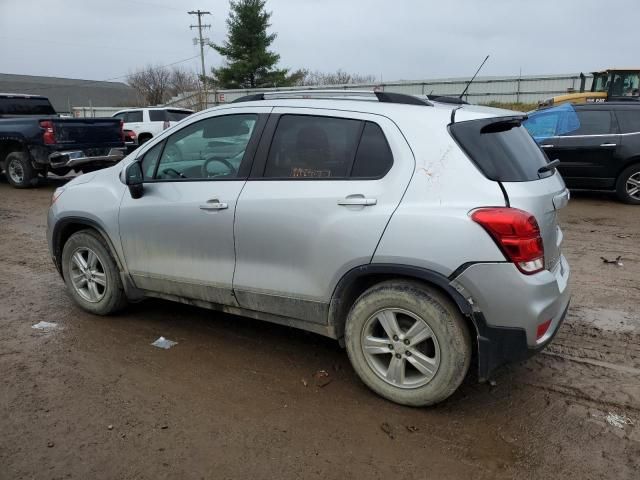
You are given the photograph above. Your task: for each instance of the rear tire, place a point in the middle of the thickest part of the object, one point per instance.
(628, 185)
(91, 274)
(434, 367)
(19, 171)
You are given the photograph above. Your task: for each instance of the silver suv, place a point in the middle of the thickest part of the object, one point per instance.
(418, 235)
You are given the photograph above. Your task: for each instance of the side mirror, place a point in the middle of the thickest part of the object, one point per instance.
(134, 179)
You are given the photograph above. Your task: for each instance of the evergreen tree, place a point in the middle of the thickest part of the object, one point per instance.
(249, 62)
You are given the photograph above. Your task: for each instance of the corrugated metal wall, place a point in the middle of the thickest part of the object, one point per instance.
(525, 89)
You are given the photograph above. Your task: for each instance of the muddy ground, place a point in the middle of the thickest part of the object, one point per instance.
(92, 399)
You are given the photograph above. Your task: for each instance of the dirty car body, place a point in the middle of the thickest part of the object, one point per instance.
(331, 200)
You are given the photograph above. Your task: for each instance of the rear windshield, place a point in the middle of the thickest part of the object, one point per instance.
(177, 115)
(25, 106)
(501, 148)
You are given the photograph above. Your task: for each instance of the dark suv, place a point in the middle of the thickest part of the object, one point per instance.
(598, 145)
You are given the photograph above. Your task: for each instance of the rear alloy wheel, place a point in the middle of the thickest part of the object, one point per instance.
(19, 171)
(408, 342)
(628, 185)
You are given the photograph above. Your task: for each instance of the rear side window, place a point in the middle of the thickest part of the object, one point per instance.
(157, 115)
(374, 157)
(593, 122)
(502, 149)
(629, 120)
(25, 106)
(307, 146)
(177, 115)
(133, 116)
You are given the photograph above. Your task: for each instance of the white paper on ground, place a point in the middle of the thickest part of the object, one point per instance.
(44, 325)
(164, 343)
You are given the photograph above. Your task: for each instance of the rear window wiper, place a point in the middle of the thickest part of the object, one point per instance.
(549, 166)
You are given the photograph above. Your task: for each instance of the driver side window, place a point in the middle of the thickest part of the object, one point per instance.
(209, 149)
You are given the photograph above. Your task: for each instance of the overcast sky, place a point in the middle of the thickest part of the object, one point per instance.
(399, 39)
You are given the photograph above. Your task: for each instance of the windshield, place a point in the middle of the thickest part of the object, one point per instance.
(625, 85)
(552, 122)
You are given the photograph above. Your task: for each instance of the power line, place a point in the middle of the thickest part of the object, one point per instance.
(90, 82)
(200, 26)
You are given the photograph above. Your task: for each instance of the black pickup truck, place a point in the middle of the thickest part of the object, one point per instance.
(34, 140)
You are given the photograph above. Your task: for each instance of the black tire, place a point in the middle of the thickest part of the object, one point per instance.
(621, 185)
(113, 297)
(443, 318)
(19, 171)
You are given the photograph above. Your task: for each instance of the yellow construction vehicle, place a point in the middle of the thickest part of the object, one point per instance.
(613, 84)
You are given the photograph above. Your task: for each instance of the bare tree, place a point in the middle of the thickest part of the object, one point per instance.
(151, 83)
(339, 77)
(182, 81)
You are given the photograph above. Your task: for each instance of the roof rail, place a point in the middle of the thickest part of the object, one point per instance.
(367, 95)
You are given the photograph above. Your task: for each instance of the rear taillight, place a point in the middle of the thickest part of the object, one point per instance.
(166, 125)
(49, 134)
(517, 234)
(122, 130)
(130, 135)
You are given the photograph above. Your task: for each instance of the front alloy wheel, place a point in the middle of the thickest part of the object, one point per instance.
(87, 275)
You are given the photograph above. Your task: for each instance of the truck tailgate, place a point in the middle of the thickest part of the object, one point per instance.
(95, 132)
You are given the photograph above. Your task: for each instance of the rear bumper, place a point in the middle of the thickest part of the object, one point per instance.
(77, 158)
(509, 306)
(498, 346)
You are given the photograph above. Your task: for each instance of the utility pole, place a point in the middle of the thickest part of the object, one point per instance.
(200, 26)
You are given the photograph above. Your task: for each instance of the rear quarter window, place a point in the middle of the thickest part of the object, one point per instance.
(157, 115)
(629, 120)
(502, 149)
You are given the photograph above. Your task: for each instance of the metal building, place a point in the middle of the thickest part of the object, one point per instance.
(520, 89)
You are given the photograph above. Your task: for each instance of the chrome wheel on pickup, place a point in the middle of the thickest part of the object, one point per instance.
(19, 171)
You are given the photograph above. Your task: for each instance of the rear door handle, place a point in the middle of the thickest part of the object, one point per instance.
(214, 204)
(607, 144)
(546, 145)
(357, 200)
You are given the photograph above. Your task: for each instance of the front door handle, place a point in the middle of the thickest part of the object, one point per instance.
(359, 200)
(214, 204)
(546, 145)
(607, 144)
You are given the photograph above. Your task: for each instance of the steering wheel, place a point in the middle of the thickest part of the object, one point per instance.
(224, 161)
(174, 172)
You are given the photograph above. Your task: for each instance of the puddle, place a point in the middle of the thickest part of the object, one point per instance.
(612, 320)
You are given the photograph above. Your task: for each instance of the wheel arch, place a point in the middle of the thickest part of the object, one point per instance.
(359, 279)
(66, 227)
(9, 145)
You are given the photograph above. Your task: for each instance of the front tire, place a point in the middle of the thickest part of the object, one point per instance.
(628, 185)
(19, 171)
(408, 342)
(91, 274)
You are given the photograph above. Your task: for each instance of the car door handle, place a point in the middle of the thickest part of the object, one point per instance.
(546, 145)
(608, 144)
(357, 200)
(214, 204)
